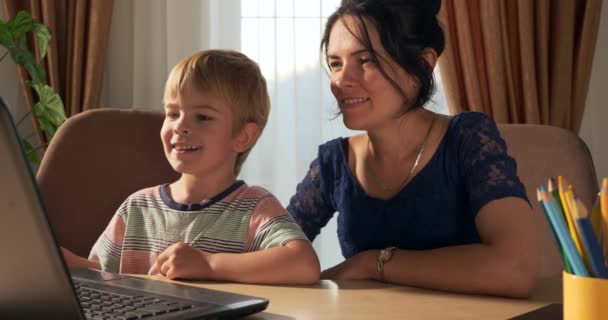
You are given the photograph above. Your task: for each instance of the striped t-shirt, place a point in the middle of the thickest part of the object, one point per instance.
(240, 219)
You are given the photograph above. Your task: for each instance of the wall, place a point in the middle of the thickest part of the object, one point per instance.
(594, 129)
(9, 84)
(10, 89)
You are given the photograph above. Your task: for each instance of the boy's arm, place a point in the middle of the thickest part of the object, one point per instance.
(293, 263)
(75, 261)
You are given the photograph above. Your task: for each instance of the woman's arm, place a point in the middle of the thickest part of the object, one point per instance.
(293, 263)
(310, 206)
(506, 263)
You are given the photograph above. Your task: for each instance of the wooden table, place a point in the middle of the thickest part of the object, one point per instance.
(375, 300)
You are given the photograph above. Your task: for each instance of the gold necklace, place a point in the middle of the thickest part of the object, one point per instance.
(414, 166)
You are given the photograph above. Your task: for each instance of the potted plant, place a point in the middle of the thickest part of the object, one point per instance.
(48, 109)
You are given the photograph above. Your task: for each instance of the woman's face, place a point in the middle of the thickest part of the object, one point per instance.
(365, 97)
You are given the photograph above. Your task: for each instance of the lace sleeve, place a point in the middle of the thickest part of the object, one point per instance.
(489, 172)
(309, 206)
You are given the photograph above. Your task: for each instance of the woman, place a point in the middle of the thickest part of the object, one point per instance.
(424, 199)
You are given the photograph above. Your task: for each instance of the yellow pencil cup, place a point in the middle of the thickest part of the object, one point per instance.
(585, 298)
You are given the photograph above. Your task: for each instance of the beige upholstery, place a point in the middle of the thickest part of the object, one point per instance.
(96, 159)
(542, 152)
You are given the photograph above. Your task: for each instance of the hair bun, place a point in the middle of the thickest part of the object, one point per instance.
(429, 6)
(426, 7)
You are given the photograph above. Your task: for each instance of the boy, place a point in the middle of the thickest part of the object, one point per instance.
(207, 225)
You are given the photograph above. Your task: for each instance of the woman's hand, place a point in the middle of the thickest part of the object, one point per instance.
(361, 266)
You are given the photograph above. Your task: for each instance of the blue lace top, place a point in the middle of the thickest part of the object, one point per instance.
(437, 208)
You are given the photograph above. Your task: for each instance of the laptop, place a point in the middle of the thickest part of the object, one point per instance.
(34, 279)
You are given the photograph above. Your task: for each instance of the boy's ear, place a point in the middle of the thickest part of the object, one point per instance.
(247, 137)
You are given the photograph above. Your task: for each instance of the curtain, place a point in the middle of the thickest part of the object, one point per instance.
(149, 37)
(77, 51)
(520, 61)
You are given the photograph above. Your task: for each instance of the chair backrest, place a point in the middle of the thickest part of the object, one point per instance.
(94, 162)
(542, 152)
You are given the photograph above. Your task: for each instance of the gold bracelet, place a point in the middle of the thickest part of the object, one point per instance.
(383, 257)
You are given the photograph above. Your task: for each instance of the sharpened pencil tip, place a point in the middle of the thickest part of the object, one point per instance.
(551, 184)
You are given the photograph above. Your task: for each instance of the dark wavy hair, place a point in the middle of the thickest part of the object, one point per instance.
(405, 28)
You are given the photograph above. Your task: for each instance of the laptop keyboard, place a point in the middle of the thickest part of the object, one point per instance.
(99, 304)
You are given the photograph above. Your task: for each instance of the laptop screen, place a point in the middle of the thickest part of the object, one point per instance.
(32, 272)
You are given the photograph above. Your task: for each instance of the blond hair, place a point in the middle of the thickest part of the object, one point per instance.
(229, 75)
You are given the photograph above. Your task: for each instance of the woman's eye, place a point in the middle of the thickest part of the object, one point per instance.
(172, 115)
(334, 65)
(365, 60)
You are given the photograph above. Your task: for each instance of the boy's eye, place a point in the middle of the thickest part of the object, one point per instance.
(172, 115)
(203, 117)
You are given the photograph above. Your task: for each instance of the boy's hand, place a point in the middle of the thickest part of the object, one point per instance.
(71, 259)
(75, 261)
(183, 261)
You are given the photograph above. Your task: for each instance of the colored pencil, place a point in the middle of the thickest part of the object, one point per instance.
(589, 240)
(562, 184)
(567, 266)
(603, 195)
(558, 223)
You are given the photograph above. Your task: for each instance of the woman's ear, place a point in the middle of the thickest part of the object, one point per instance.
(247, 137)
(430, 56)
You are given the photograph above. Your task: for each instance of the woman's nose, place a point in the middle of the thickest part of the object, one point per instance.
(343, 77)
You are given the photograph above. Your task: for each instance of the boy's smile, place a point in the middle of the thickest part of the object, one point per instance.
(184, 148)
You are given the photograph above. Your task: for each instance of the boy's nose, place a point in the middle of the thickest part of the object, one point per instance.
(181, 127)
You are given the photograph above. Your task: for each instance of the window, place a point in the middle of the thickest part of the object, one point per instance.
(283, 36)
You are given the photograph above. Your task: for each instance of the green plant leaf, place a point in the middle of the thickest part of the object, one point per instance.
(30, 151)
(22, 56)
(44, 121)
(43, 37)
(21, 24)
(52, 102)
(17, 45)
(6, 36)
(49, 109)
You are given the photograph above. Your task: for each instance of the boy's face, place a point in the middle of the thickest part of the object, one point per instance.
(197, 135)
